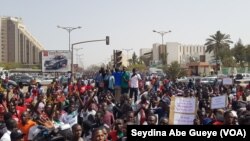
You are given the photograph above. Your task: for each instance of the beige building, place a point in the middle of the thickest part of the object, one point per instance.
(17, 45)
(193, 57)
(181, 53)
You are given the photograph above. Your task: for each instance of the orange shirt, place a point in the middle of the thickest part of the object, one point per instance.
(25, 128)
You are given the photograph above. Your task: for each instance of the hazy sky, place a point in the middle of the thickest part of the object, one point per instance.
(129, 23)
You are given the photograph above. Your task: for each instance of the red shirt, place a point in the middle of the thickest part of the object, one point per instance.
(89, 87)
(70, 87)
(20, 110)
(108, 118)
(82, 89)
(28, 101)
(114, 135)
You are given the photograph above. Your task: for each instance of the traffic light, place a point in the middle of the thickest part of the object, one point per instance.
(118, 58)
(107, 40)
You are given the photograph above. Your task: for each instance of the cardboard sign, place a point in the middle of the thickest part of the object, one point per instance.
(227, 81)
(219, 102)
(185, 105)
(183, 119)
(182, 110)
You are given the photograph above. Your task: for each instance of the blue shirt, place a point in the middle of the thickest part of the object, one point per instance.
(118, 78)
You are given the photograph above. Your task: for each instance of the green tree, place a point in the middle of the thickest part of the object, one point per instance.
(10, 65)
(239, 52)
(93, 68)
(216, 43)
(174, 70)
(134, 58)
(139, 67)
(226, 57)
(140, 60)
(247, 54)
(146, 60)
(130, 61)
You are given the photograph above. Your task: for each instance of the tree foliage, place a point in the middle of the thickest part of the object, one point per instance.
(139, 67)
(174, 70)
(134, 59)
(218, 42)
(9, 65)
(239, 52)
(248, 54)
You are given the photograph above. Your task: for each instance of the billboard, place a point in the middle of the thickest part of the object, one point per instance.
(56, 60)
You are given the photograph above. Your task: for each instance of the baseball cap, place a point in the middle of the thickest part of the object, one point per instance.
(16, 134)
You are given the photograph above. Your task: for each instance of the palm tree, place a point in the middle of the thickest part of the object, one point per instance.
(216, 43)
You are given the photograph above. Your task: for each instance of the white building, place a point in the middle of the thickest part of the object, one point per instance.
(179, 52)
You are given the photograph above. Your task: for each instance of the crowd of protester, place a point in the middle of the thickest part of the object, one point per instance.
(100, 108)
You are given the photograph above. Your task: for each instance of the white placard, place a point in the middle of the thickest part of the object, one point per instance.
(185, 105)
(227, 81)
(248, 98)
(218, 102)
(183, 119)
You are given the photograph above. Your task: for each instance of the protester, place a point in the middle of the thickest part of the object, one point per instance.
(100, 107)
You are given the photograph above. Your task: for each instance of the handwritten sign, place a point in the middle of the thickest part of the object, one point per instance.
(182, 110)
(227, 81)
(218, 102)
(183, 119)
(185, 105)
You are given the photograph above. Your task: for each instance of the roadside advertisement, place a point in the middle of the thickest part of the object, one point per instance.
(56, 60)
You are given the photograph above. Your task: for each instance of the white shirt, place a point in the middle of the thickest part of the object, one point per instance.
(6, 136)
(134, 81)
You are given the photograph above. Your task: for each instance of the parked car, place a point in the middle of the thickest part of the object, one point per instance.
(24, 79)
(242, 82)
(46, 81)
(56, 63)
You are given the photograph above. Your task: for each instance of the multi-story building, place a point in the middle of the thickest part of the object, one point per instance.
(192, 56)
(17, 45)
(144, 51)
(181, 53)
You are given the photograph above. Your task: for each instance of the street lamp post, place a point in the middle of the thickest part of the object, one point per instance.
(77, 43)
(77, 55)
(79, 58)
(130, 49)
(162, 33)
(69, 29)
